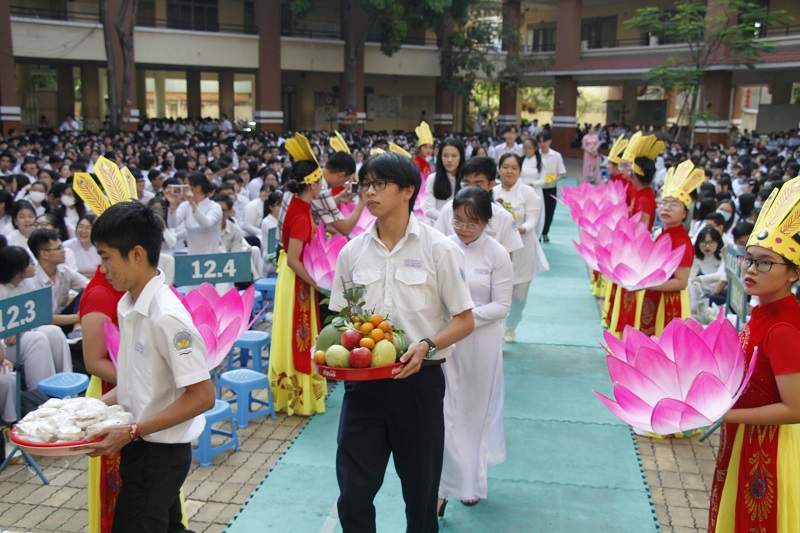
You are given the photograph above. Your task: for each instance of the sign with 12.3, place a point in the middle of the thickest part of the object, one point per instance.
(212, 268)
(25, 311)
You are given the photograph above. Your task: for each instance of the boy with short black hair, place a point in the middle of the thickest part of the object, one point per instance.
(162, 377)
(414, 274)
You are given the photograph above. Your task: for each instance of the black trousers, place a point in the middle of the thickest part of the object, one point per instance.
(151, 475)
(401, 417)
(549, 207)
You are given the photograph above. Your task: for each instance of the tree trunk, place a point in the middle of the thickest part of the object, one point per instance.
(124, 26)
(354, 33)
(109, 35)
(118, 30)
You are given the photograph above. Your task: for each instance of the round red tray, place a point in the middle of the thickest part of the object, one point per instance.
(56, 449)
(360, 374)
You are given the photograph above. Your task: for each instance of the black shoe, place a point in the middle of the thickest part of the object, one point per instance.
(440, 512)
(545, 238)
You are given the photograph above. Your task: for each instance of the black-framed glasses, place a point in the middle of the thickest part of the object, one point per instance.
(458, 224)
(762, 265)
(378, 185)
(666, 204)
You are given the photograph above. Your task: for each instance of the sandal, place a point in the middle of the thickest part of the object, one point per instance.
(470, 503)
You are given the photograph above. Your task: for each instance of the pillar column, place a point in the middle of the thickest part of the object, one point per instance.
(630, 97)
(193, 94)
(738, 101)
(716, 100)
(781, 91)
(672, 107)
(352, 106)
(443, 107)
(226, 100)
(268, 113)
(568, 32)
(65, 97)
(90, 98)
(565, 107)
(507, 114)
(160, 93)
(141, 91)
(10, 111)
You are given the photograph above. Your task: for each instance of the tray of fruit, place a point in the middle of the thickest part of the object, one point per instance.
(359, 348)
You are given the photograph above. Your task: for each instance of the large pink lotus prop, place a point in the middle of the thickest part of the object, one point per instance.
(364, 221)
(632, 260)
(603, 237)
(586, 203)
(320, 256)
(220, 320)
(683, 380)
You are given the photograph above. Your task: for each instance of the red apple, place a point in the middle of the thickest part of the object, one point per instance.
(351, 338)
(360, 357)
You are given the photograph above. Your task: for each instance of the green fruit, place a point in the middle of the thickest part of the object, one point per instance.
(383, 353)
(400, 345)
(337, 356)
(329, 336)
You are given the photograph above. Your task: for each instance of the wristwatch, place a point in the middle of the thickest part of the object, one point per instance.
(432, 350)
(133, 432)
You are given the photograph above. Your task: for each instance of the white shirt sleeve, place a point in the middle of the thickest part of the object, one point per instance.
(502, 287)
(430, 200)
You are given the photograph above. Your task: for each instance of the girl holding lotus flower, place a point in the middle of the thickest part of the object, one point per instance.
(756, 484)
(296, 386)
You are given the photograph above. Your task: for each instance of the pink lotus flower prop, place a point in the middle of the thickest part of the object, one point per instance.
(684, 380)
(586, 203)
(364, 221)
(220, 320)
(632, 260)
(602, 238)
(320, 256)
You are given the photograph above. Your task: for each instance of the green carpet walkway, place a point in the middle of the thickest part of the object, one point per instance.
(571, 466)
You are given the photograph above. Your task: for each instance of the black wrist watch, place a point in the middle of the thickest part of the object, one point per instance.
(432, 350)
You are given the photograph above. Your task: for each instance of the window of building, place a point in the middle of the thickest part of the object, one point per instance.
(599, 32)
(197, 15)
(541, 37)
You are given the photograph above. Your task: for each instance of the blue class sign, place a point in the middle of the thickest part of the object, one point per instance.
(212, 268)
(25, 311)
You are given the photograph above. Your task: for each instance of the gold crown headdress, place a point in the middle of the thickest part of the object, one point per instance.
(338, 144)
(424, 135)
(300, 150)
(642, 146)
(615, 154)
(682, 180)
(779, 222)
(119, 185)
(392, 148)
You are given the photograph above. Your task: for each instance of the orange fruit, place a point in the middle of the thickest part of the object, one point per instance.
(376, 335)
(357, 325)
(376, 319)
(367, 342)
(319, 357)
(366, 327)
(384, 326)
(388, 336)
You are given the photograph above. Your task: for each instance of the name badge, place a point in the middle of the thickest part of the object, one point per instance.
(412, 263)
(482, 271)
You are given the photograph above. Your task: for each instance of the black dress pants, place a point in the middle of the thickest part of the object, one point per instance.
(402, 417)
(549, 207)
(152, 475)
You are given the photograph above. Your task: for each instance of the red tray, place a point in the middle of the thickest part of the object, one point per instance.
(57, 449)
(360, 374)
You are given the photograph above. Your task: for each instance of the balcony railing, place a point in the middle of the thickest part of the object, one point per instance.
(780, 31)
(54, 14)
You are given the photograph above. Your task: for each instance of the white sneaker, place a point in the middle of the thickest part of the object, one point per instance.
(510, 335)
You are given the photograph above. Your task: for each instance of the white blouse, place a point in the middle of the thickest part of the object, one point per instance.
(433, 205)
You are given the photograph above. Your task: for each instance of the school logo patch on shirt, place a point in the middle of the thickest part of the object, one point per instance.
(182, 342)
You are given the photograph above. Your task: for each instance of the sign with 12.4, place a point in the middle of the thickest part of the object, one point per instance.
(212, 268)
(25, 311)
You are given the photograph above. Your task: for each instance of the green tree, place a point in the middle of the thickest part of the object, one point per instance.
(724, 31)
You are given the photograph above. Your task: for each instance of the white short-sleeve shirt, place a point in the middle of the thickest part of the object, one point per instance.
(160, 354)
(501, 226)
(419, 285)
(66, 279)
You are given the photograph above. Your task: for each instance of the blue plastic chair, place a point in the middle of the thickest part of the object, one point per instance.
(242, 382)
(64, 385)
(221, 412)
(266, 286)
(251, 345)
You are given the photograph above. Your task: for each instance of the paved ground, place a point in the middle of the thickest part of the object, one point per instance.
(678, 471)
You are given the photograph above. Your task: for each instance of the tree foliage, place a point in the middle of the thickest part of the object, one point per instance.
(728, 32)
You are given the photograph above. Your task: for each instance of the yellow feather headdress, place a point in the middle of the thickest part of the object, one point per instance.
(424, 135)
(779, 222)
(300, 150)
(392, 148)
(615, 154)
(682, 180)
(338, 144)
(642, 146)
(119, 186)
